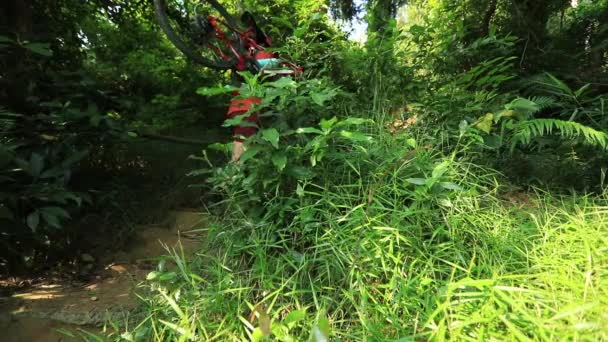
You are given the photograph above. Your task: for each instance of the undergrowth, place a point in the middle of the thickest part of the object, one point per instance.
(385, 238)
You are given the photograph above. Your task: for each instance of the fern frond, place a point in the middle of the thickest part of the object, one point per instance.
(550, 84)
(544, 102)
(528, 130)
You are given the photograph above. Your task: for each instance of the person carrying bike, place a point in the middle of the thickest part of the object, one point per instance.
(234, 49)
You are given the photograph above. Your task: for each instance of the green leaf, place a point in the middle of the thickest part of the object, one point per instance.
(62, 197)
(94, 120)
(283, 82)
(216, 90)
(50, 218)
(239, 120)
(356, 136)
(43, 49)
(328, 124)
(33, 219)
(167, 276)
(300, 172)
(354, 121)
(522, 105)
(485, 124)
(450, 186)
(257, 335)
(36, 164)
(304, 130)
(55, 211)
(282, 21)
(300, 190)
(272, 136)
(581, 90)
(445, 202)
(250, 153)
(462, 126)
(319, 98)
(152, 275)
(416, 181)
(440, 169)
(5, 39)
(279, 159)
(76, 157)
(320, 331)
(300, 31)
(51, 173)
(281, 332)
(294, 317)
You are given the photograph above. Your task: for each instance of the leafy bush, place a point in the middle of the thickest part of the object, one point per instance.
(38, 155)
(382, 238)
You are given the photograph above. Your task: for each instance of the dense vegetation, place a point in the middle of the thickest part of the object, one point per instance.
(442, 180)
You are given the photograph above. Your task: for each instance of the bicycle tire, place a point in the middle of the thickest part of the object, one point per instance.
(163, 21)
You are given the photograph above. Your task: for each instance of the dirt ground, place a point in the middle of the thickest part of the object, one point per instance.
(50, 312)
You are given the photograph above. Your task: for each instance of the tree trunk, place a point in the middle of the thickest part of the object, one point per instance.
(18, 15)
(487, 18)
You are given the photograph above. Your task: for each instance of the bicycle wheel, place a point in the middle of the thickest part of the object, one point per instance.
(189, 31)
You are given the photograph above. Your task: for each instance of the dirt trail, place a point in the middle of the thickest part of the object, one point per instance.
(36, 314)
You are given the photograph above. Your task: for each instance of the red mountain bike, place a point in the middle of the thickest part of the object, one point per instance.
(213, 38)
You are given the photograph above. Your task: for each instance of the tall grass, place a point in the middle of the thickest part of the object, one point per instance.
(394, 242)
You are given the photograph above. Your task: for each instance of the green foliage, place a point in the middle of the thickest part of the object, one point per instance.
(530, 129)
(390, 239)
(330, 227)
(291, 140)
(38, 155)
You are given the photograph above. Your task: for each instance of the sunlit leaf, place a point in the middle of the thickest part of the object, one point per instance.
(327, 124)
(152, 275)
(299, 190)
(416, 181)
(283, 82)
(257, 335)
(485, 124)
(216, 90)
(356, 136)
(294, 317)
(450, 186)
(445, 202)
(304, 130)
(321, 330)
(319, 98)
(440, 169)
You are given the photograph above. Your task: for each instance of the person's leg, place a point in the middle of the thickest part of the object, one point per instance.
(237, 150)
(239, 107)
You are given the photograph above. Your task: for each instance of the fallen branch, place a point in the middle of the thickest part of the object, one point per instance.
(173, 139)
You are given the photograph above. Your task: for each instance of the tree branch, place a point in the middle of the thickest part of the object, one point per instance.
(187, 141)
